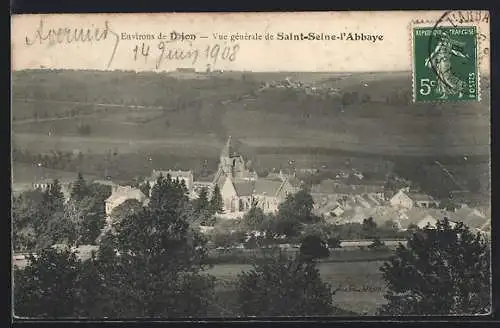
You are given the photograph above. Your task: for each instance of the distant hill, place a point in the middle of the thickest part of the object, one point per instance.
(369, 112)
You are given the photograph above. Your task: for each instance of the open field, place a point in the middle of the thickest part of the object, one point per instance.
(96, 145)
(25, 173)
(360, 285)
(278, 117)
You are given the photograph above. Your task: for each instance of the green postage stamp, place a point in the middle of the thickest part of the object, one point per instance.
(445, 64)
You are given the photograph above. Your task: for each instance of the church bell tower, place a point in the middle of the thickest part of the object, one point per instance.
(231, 163)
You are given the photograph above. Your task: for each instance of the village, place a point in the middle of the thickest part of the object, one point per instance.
(348, 198)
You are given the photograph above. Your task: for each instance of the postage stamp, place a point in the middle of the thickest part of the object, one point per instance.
(445, 63)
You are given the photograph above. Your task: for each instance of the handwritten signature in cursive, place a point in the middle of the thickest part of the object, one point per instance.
(68, 35)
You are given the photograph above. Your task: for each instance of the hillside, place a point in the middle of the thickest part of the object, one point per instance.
(352, 116)
(178, 109)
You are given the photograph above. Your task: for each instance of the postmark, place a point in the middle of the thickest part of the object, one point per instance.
(445, 65)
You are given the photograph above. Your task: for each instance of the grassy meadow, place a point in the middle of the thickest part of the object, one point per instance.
(360, 286)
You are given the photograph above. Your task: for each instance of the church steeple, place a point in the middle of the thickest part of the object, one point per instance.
(227, 151)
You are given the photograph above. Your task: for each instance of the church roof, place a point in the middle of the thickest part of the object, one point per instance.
(243, 188)
(267, 187)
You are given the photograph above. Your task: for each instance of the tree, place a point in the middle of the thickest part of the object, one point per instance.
(390, 225)
(443, 271)
(125, 209)
(377, 244)
(202, 203)
(412, 227)
(79, 188)
(369, 227)
(100, 191)
(145, 188)
(28, 219)
(254, 218)
(297, 206)
(279, 286)
(157, 273)
(168, 195)
(334, 242)
(293, 212)
(92, 219)
(54, 198)
(313, 247)
(216, 203)
(47, 218)
(46, 287)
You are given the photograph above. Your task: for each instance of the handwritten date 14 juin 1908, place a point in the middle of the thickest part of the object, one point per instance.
(163, 51)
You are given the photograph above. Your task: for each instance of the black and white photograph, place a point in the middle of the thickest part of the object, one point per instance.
(250, 165)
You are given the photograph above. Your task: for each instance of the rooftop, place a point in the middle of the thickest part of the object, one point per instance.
(268, 187)
(127, 192)
(470, 217)
(332, 186)
(419, 197)
(243, 188)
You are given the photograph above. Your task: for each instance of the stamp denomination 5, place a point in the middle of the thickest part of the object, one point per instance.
(445, 63)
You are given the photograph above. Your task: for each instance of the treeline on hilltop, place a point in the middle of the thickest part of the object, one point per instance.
(151, 264)
(128, 88)
(163, 91)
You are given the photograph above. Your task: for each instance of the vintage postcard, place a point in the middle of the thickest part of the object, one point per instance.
(224, 165)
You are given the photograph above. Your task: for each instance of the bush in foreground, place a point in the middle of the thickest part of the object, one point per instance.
(282, 286)
(443, 271)
(313, 247)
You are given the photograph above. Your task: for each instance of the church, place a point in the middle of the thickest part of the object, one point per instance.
(240, 187)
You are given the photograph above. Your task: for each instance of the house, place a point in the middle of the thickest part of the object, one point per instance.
(46, 184)
(423, 200)
(325, 204)
(421, 217)
(337, 211)
(340, 188)
(43, 185)
(427, 221)
(405, 199)
(471, 217)
(401, 200)
(122, 193)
